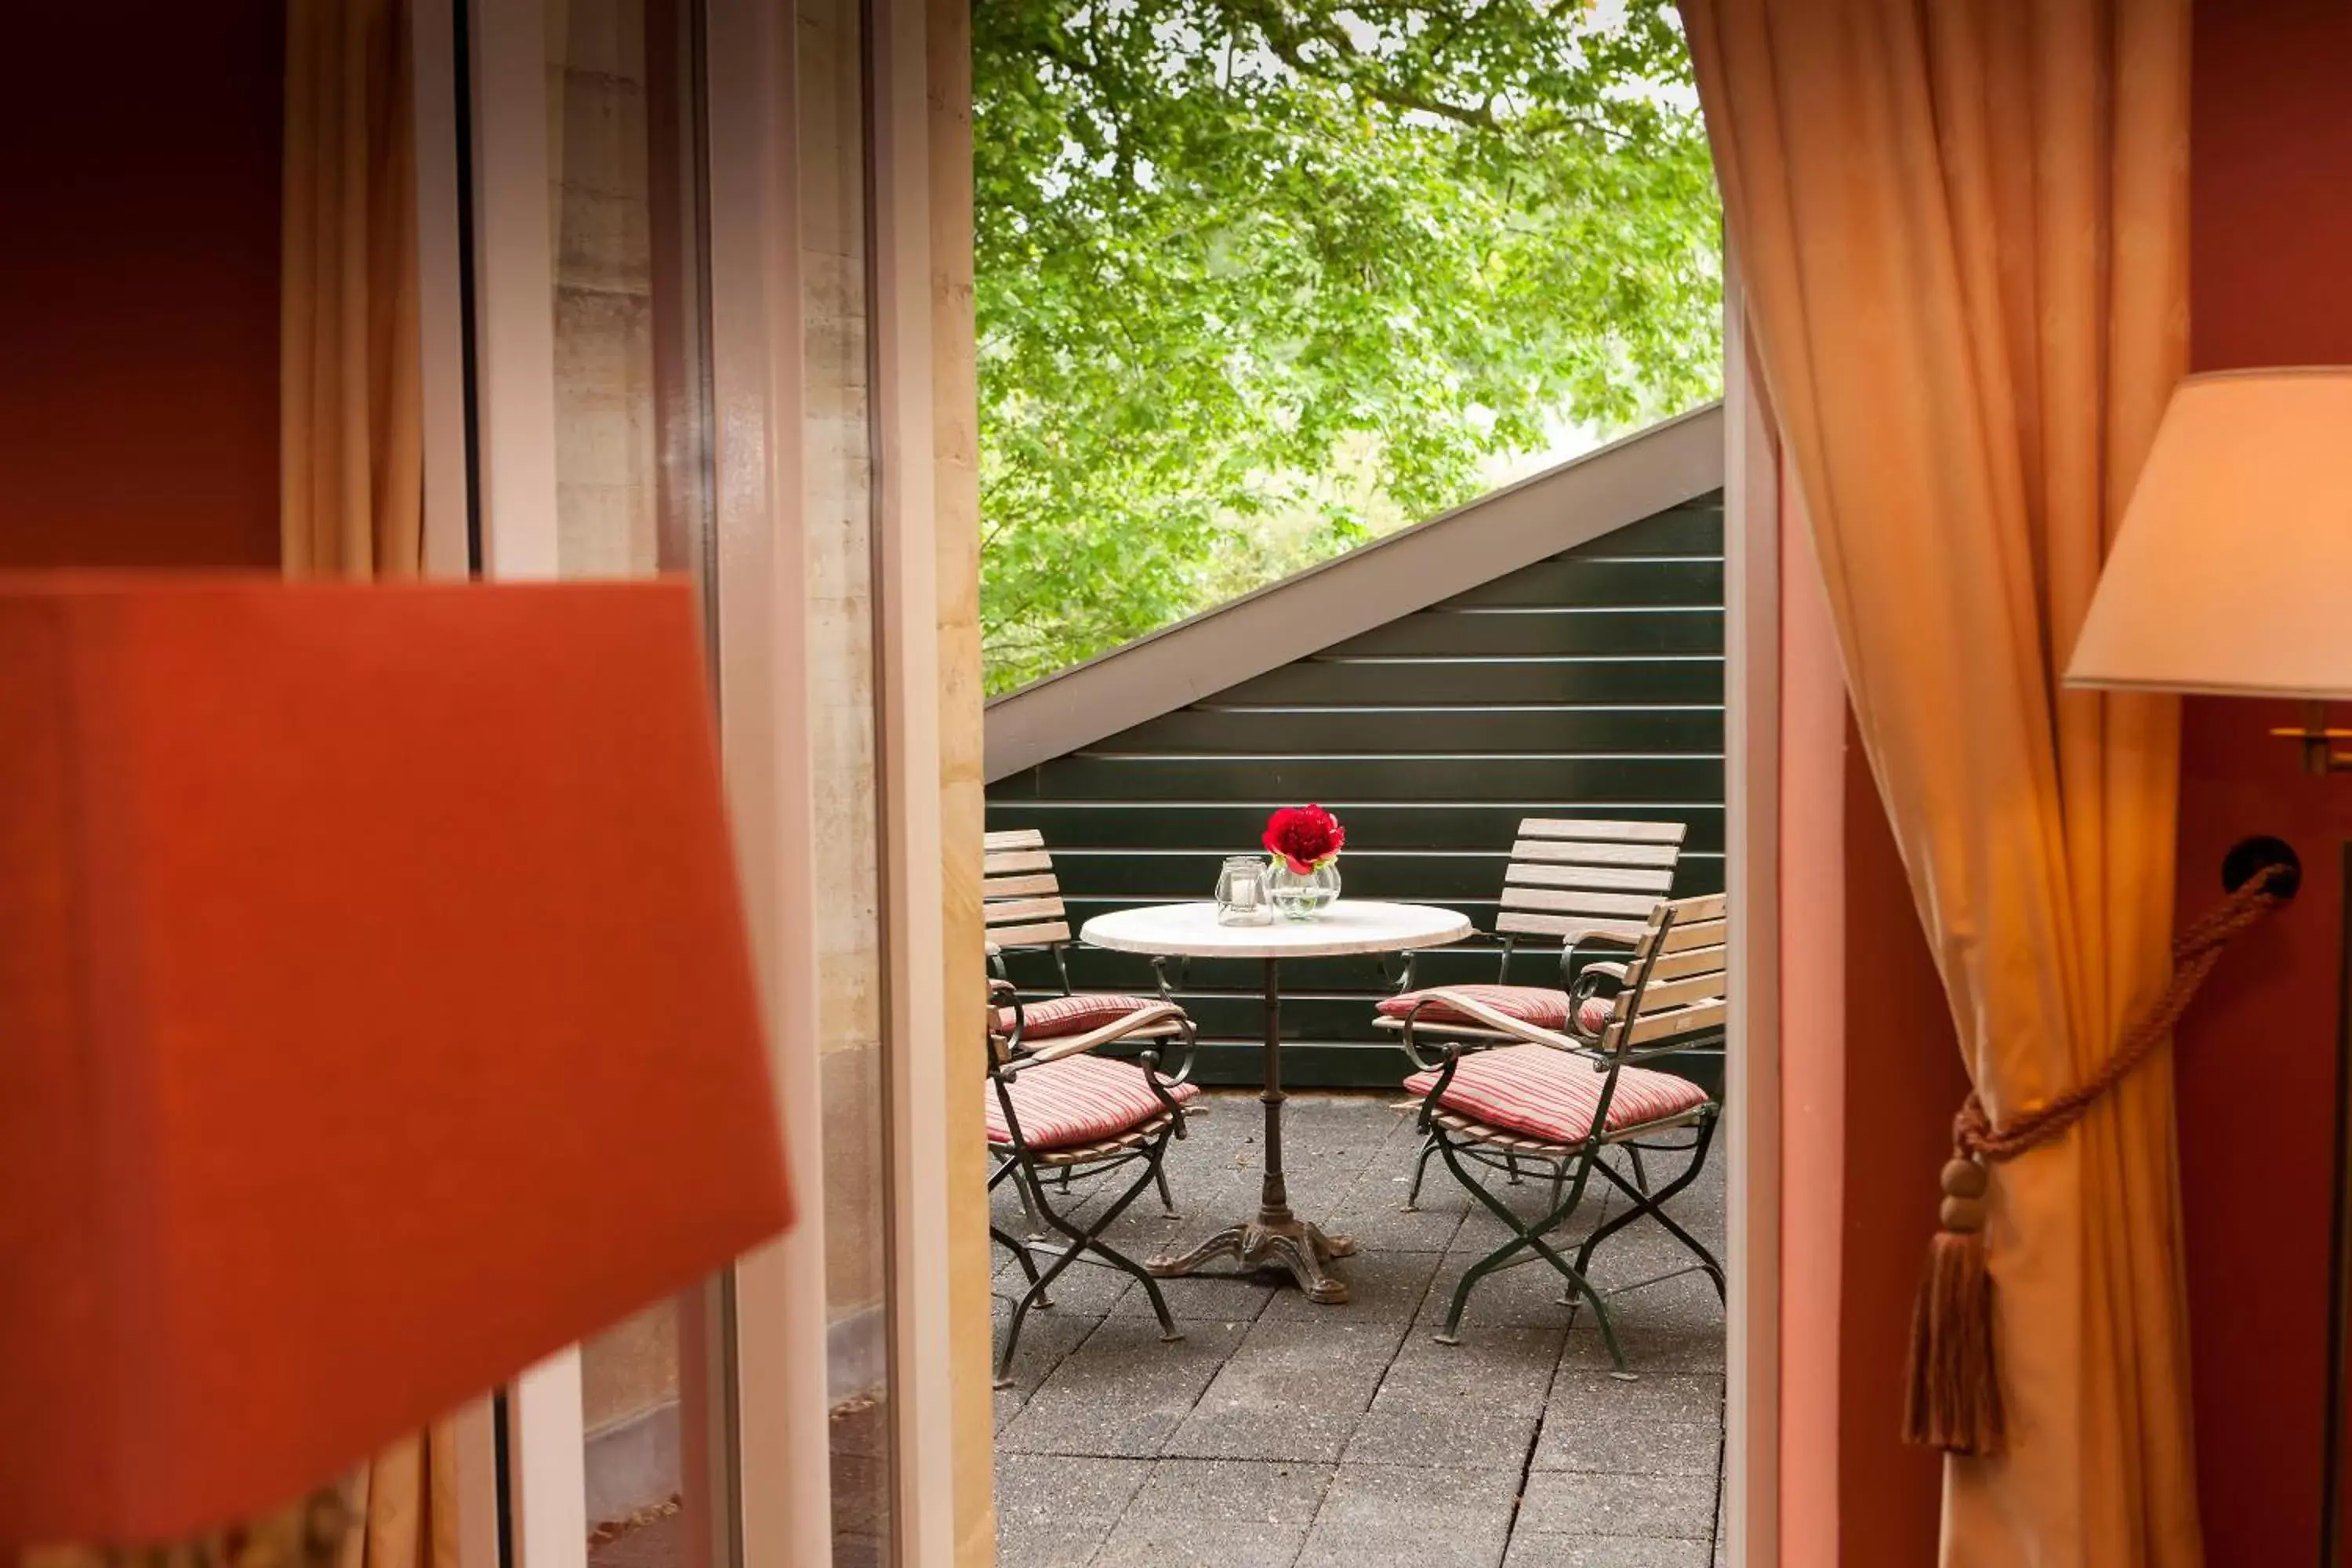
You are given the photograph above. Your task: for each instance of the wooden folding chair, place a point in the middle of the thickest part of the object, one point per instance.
(1020, 904)
(1053, 1106)
(1567, 1097)
(1592, 886)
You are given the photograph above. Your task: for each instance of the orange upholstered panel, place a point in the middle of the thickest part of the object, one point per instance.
(376, 1017)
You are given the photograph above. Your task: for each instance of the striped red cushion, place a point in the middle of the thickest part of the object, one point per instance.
(1058, 1016)
(1544, 1008)
(1550, 1094)
(1079, 1100)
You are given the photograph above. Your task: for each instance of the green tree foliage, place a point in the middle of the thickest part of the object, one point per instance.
(1228, 248)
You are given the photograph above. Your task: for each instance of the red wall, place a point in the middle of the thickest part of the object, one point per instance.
(2271, 283)
(139, 177)
(1904, 1079)
(1871, 1075)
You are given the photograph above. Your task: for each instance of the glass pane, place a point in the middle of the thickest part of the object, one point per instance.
(632, 499)
(837, 511)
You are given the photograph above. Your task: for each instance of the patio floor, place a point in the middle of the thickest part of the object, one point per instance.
(1280, 1433)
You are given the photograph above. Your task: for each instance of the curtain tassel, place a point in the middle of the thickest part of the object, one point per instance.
(1952, 1397)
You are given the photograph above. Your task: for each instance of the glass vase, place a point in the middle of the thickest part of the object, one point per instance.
(1301, 894)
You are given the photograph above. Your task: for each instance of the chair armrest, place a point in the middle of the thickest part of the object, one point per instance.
(1003, 994)
(1187, 1037)
(1587, 985)
(1502, 1023)
(1569, 954)
(1116, 1029)
(1411, 1021)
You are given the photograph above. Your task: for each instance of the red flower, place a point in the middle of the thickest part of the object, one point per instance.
(1305, 836)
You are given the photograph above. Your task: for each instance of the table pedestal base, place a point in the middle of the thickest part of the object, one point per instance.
(1285, 1242)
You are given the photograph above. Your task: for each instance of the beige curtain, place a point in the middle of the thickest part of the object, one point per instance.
(1962, 225)
(351, 444)
(406, 1503)
(351, 468)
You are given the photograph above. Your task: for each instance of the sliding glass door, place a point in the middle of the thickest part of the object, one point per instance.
(696, 331)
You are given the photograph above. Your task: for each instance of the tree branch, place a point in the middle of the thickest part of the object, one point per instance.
(1287, 38)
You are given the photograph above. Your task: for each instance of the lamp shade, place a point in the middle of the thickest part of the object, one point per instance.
(2228, 572)
(376, 1017)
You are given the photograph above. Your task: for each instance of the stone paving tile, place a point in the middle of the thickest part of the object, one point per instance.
(1580, 1502)
(1648, 1347)
(1084, 1289)
(1383, 1288)
(1473, 1406)
(1216, 1172)
(1615, 1443)
(1198, 1299)
(1203, 1218)
(1046, 1338)
(1532, 1549)
(1055, 1512)
(1233, 1429)
(1684, 1298)
(1427, 1516)
(1122, 1392)
(1645, 1249)
(1381, 1226)
(1579, 1393)
(1217, 1513)
(1373, 1212)
(1295, 1390)
(1335, 1128)
(1145, 1229)
(1519, 1296)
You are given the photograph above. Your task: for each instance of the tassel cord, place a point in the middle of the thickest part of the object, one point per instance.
(1952, 1398)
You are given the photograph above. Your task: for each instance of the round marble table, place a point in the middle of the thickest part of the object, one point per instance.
(1276, 1239)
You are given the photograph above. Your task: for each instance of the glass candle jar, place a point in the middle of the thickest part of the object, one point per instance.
(1242, 897)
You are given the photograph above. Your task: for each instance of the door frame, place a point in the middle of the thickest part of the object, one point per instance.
(780, 1317)
(786, 1508)
(756, 1408)
(783, 1517)
(1752, 522)
(489, 428)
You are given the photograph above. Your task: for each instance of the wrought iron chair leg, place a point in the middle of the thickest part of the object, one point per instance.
(1641, 1175)
(1082, 1242)
(1091, 1240)
(1646, 1203)
(1511, 1165)
(1420, 1169)
(1159, 1179)
(1558, 1181)
(1030, 1298)
(1021, 1256)
(1452, 1333)
(1532, 1237)
(1028, 1209)
(1033, 1200)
